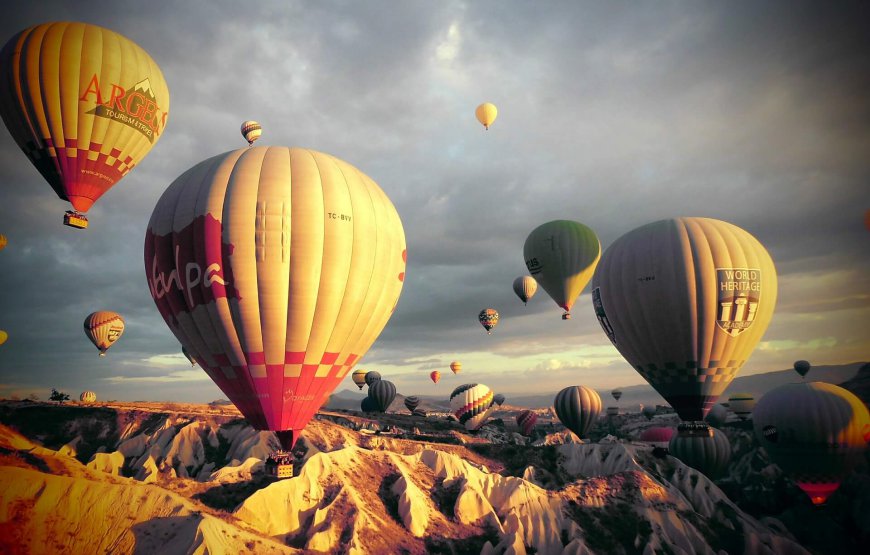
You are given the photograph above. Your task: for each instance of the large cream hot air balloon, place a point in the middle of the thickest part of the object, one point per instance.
(277, 268)
(561, 255)
(471, 404)
(486, 114)
(685, 301)
(103, 328)
(251, 131)
(84, 103)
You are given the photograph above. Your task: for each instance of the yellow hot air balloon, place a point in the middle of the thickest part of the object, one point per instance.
(486, 114)
(3, 241)
(561, 255)
(3, 336)
(685, 301)
(279, 267)
(84, 103)
(359, 377)
(456, 367)
(251, 131)
(104, 328)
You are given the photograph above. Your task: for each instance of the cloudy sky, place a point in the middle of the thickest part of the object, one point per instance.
(614, 114)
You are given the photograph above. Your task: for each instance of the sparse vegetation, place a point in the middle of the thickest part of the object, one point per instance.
(58, 396)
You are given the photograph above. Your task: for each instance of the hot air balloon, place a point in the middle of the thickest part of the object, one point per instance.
(561, 255)
(658, 436)
(435, 375)
(616, 393)
(419, 412)
(577, 407)
(3, 336)
(359, 377)
(84, 103)
(741, 404)
(188, 356)
(649, 412)
(471, 404)
(703, 448)
(717, 416)
(88, 397)
(368, 405)
(498, 398)
(486, 114)
(3, 241)
(526, 421)
(815, 432)
(456, 367)
(279, 267)
(382, 393)
(411, 402)
(104, 328)
(525, 288)
(372, 376)
(685, 301)
(802, 367)
(488, 318)
(251, 131)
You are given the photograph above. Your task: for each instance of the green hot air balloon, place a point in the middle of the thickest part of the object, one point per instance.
(802, 367)
(561, 255)
(577, 407)
(815, 432)
(382, 393)
(703, 448)
(685, 301)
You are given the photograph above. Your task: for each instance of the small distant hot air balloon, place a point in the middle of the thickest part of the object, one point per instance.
(561, 255)
(372, 376)
(382, 393)
(649, 412)
(251, 131)
(435, 375)
(419, 412)
(456, 367)
(717, 416)
(525, 288)
(359, 377)
(703, 448)
(188, 356)
(802, 367)
(84, 103)
(741, 404)
(815, 432)
(705, 291)
(577, 407)
(498, 399)
(658, 436)
(526, 421)
(471, 404)
(411, 402)
(488, 318)
(486, 114)
(3, 241)
(88, 397)
(368, 405)
(104, 328)
(3, 336)
(616, 393)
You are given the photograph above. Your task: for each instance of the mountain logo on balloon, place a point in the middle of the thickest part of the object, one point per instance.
(739, 293)
(135, 107)
(602, 316)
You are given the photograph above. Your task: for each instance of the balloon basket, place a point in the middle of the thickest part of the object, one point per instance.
(76, 220)
(279, 465)
(694, 429)
(566, 316)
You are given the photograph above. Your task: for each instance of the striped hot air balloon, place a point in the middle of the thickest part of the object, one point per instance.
(419, 412)
(359, 377)
(577, 407)
(88, 397)
(456, 367)
(411, 402)
(471, 404)
(104, 328)
(525, 287)
(658, 436)
(703, 448)
(251, 131)
(488, 318)
(372, 376)
(705, 291)
(382, 392)
(279, 267)
(84, 103)
(526, 421)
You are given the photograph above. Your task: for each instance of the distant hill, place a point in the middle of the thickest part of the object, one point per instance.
(859, 384)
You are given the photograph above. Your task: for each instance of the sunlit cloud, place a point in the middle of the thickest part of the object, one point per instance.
(176, 376)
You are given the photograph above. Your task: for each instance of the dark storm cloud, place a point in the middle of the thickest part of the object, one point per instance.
(613, 114)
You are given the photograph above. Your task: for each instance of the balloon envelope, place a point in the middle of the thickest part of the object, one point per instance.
(382, 393)
(685, 301)
(577, 407)
(3, 336)
(368, 405)
(84, 103)
(419, 412)
(103, 328)
(251, 131)
(526, 421)
(359, 377)
(279, 267)
(703, 448)
(456, 367)
(488, 318)
(486, 114)
(498, 398)
(525, 287)
(471, 404)
(816, 432)
(372, 376)
(616, 393)
(411, 402)
(649, 412)
(435, 375)
(561, 255)
(659, 436)
(88, 397)
(802, 367)
(3, 241)
(188, 356)
(717, 416)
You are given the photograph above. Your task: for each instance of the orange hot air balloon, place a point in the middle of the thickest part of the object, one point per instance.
(456, 367)
(3, 241)
(84, 103)
(104, 328)
(278, 267)
(435, 375)
(486, 114)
